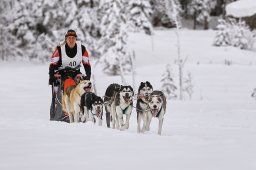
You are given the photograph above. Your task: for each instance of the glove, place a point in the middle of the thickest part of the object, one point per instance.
(57, 75)
(79, 76)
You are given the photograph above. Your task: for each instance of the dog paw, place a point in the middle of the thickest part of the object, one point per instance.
(100, 122)
(143, 130)
(83, 119)
(124, 127)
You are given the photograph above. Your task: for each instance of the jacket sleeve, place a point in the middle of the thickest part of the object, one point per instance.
(54, 64)
(86, 63)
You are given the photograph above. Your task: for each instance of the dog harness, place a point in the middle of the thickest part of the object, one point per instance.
(124, 109)
(72, 62)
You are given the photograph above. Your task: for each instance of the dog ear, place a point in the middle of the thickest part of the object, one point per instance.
(121, 87)
(117, 89)
(149, 85)
(150, 98)
(131, 90)
(159, 99)
(84, 77)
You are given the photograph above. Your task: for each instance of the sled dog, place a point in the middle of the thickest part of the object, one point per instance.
(157, 105)
(108, 99)
(72, 97)
(91, 108)
(121, 105)
(142, 107)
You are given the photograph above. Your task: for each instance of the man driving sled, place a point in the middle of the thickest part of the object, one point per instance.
(67, 56)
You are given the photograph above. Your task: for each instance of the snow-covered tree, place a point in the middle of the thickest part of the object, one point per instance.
(241, 35)
(160, 16)
(235, 33)
(44, 45)
(20, 20)
(201, 11)
(173, 10)
(5, 6)
(222, 37)
(113, 43)
(88, 24)
(139, 15)
(168, 85)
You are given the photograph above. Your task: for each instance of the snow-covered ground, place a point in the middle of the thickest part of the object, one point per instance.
(216, 130)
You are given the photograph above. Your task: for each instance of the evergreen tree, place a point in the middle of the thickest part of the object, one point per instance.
(28, 25)
(240, 34)
(201, 11)
(222, 37)
(68, 14)
(140, 12)
(88, 24)
(160, 16)
(235, 33)
(113, 43)
(20, 22)
(185, 7)
(173, 10)
(168, 85)
(5, 6)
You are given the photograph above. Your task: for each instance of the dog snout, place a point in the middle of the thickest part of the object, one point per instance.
(89, 84)
(154, 106)
(127, 95)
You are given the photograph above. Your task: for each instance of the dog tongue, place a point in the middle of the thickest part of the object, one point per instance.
(126, 99)
(87, 89)
(98, 113)
(154, 112)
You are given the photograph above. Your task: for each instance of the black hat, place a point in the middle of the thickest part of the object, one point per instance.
(71, 33)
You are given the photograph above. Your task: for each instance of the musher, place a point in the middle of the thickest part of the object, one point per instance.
(70, 54)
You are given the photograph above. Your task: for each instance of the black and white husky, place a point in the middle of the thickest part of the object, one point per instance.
(142, 107)
(108, 99)
(120, 105)
(91, 108)
(157, 105)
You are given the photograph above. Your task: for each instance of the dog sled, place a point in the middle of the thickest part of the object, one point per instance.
(56, 111)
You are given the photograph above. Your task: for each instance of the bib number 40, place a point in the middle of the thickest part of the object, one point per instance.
(72, 63)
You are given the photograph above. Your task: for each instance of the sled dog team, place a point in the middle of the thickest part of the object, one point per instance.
(82, 105)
